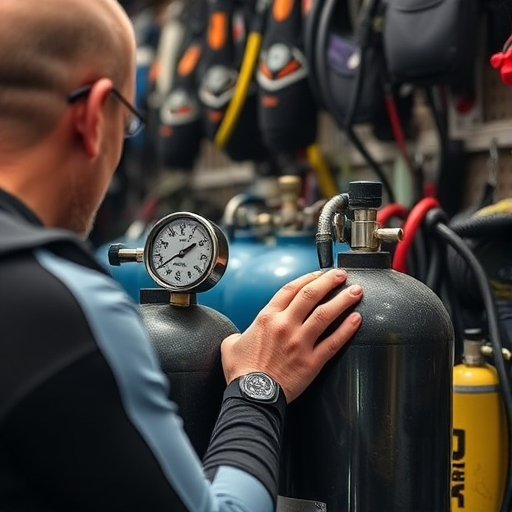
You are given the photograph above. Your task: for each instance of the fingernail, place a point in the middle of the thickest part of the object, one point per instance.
(340, 273)
(355, 318)
(355, 290)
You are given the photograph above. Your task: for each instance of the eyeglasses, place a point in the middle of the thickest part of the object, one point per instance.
(134, 123)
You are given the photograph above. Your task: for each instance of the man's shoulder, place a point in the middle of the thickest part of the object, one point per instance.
(20, 236)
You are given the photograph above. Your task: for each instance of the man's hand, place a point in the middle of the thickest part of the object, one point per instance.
(282, 340)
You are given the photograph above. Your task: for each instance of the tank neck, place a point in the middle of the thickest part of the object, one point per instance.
(355, 259)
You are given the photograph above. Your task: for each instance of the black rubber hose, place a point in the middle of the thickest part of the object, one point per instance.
(348, 122)
(356, 142)
(439, 122)
(450, 299)
(310, 35)
(434, 274)
(482, 227)
(451, 238)
(441, 282)
(410, 260)
(420, 249)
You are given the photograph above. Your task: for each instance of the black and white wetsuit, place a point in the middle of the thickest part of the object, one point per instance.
(85, 422)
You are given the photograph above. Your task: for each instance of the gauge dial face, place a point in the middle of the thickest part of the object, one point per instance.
(181, 252)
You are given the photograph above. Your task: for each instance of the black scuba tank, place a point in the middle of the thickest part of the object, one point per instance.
(373, 431)
(187, 341)
(186, 337)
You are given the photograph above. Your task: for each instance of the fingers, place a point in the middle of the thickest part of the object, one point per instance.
(282, 298)
(325, 349)
(324, 314)
(284, 335)
(314, 291)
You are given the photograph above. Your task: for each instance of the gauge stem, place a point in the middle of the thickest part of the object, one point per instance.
(182, 300)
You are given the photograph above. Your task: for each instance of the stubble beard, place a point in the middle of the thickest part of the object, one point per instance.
(82, 212)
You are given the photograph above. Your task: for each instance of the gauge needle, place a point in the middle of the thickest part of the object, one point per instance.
(178, 255)
(187, 249)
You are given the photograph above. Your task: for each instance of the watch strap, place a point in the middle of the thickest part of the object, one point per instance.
(233, 391)
(247, 436)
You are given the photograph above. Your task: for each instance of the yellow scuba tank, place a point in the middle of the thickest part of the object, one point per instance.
(480, 441)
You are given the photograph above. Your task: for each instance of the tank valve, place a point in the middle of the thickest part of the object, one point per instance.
(366, 234)
(473, 353)
(290, 189)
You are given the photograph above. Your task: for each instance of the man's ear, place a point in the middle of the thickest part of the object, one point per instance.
(90, 117)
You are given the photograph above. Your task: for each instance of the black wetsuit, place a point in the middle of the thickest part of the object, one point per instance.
(85, 422)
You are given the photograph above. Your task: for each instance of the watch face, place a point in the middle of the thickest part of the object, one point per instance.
(259, 387)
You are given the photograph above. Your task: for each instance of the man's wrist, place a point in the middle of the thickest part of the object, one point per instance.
(258, 388)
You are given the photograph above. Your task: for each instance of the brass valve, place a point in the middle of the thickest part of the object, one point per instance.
(367, 233)
(290, 190)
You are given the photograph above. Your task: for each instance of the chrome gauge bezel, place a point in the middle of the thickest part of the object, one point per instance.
(215, 268)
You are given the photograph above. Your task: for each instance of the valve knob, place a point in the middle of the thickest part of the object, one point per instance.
(113, 254)
(118, 254)
(365, 195)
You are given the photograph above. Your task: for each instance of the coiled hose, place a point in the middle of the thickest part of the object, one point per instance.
(477, 226)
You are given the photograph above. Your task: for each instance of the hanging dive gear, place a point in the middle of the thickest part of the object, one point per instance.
(219, 74)
(180, 128)
(338, 50)
(245, 80)
(287, 111)
(346, 69)
(432, 41)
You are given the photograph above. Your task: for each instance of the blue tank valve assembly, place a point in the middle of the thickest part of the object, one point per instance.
(270, 244)
(374, 429)
(185, 254)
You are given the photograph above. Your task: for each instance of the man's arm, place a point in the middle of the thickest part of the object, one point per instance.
(99, 433)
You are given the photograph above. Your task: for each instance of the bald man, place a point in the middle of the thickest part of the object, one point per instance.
(85, 422)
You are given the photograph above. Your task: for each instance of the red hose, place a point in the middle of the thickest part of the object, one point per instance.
(411, 226)
(391, 210)
(398, 132)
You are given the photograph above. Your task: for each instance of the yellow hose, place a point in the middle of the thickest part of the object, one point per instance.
(236, 104)
(327, 185)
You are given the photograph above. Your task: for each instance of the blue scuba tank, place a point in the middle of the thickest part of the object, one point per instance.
(264, 272)
(273, 248)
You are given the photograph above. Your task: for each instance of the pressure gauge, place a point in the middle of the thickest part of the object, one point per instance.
(185, 252)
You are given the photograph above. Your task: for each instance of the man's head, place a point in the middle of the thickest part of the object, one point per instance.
(48, 145)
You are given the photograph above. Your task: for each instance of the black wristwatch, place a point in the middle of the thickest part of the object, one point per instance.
(259, 387)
